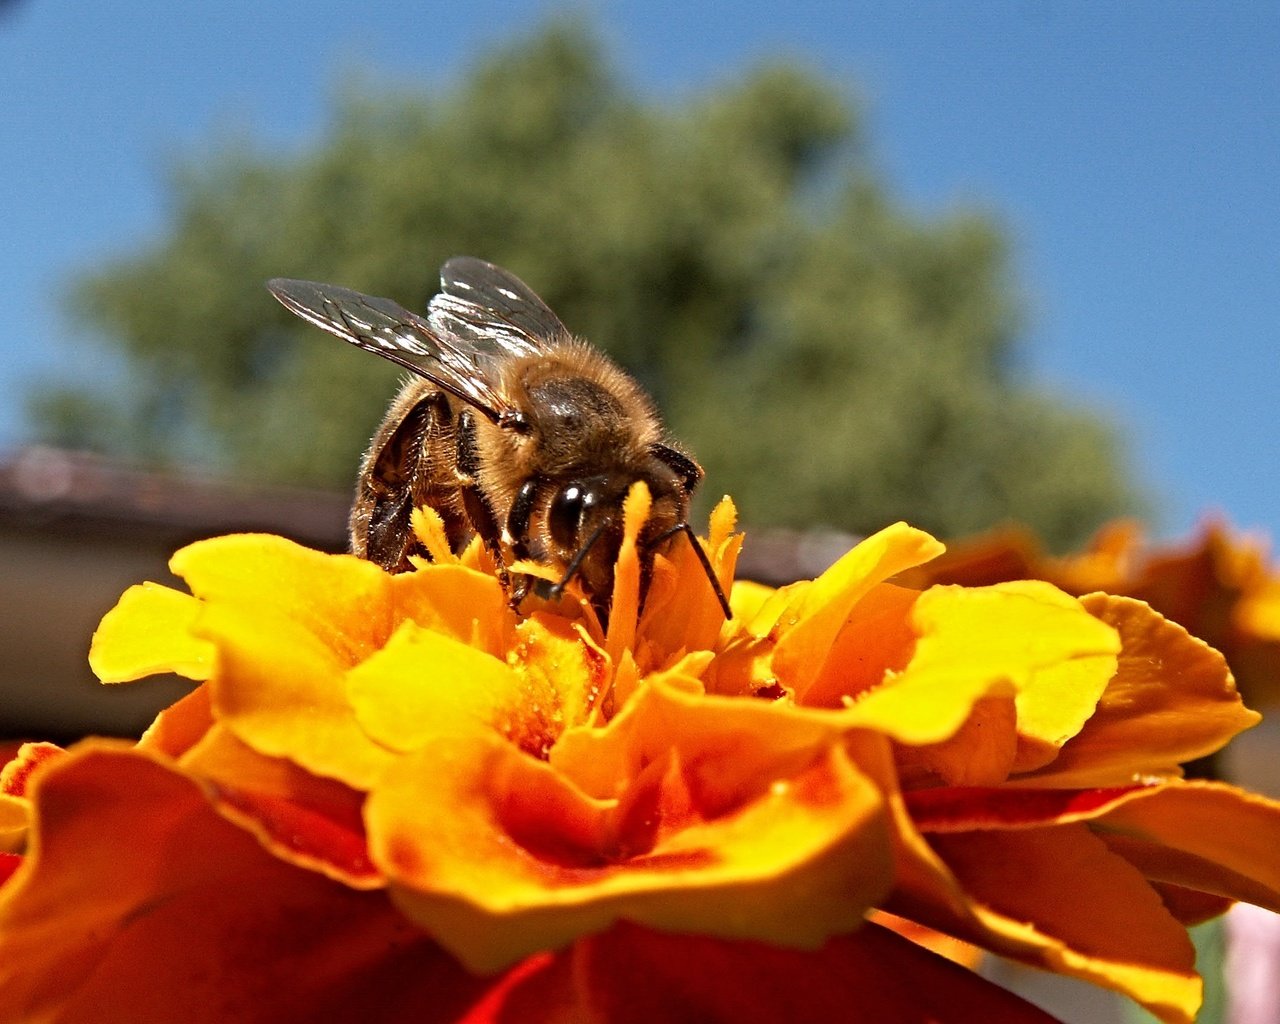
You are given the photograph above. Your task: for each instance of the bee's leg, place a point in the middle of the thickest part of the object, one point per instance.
(518, 520)
(381, 528)
(520, 514)
(477, 506)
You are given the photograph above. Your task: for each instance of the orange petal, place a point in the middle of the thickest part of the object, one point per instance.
(180, 726)
(877, 639)
(722, 540)
(1201, 835)
(997, 556)
(1193, 835)
(15, 776)
(668, 713)
(1172, 699)
(148, 632)
(963, 953)
(715, 836)
(1259, 612)
(1090, 912)
(15, 817)
(625, 606)
(1030, 894)
(982, 751)
(188, 919)
(1189, 906)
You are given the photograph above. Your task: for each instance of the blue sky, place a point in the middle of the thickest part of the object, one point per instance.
(1130, 149)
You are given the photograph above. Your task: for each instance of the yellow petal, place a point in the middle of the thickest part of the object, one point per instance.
(748, 598)
(147, 632)
(288, 623)
(424, 685)
(460, 602)
(814, 614)
(341, 601)
(1026, 640)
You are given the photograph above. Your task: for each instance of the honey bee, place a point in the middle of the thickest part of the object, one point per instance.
(510, 427)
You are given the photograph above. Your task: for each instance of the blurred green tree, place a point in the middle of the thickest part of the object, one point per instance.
(832, 358)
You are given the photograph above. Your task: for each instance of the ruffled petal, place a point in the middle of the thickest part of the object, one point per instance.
(989, 889)
(719, 833)
(15, 805)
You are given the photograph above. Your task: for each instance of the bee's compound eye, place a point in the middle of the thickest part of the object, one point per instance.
(565, 515)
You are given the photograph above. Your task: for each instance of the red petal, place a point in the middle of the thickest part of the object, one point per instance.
(634, 975)
(140, 903)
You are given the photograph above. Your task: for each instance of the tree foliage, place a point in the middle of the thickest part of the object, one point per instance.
(832, 358)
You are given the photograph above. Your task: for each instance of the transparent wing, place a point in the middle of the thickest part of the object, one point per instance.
(462, 363)
(491, 308)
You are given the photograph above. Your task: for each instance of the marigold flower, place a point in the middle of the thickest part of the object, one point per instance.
(395, 795)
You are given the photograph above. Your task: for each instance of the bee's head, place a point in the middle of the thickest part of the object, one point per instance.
(584, 522)
(584, 527)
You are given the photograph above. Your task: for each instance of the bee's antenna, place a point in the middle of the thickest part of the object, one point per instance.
(687, 530)
(571, 569)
